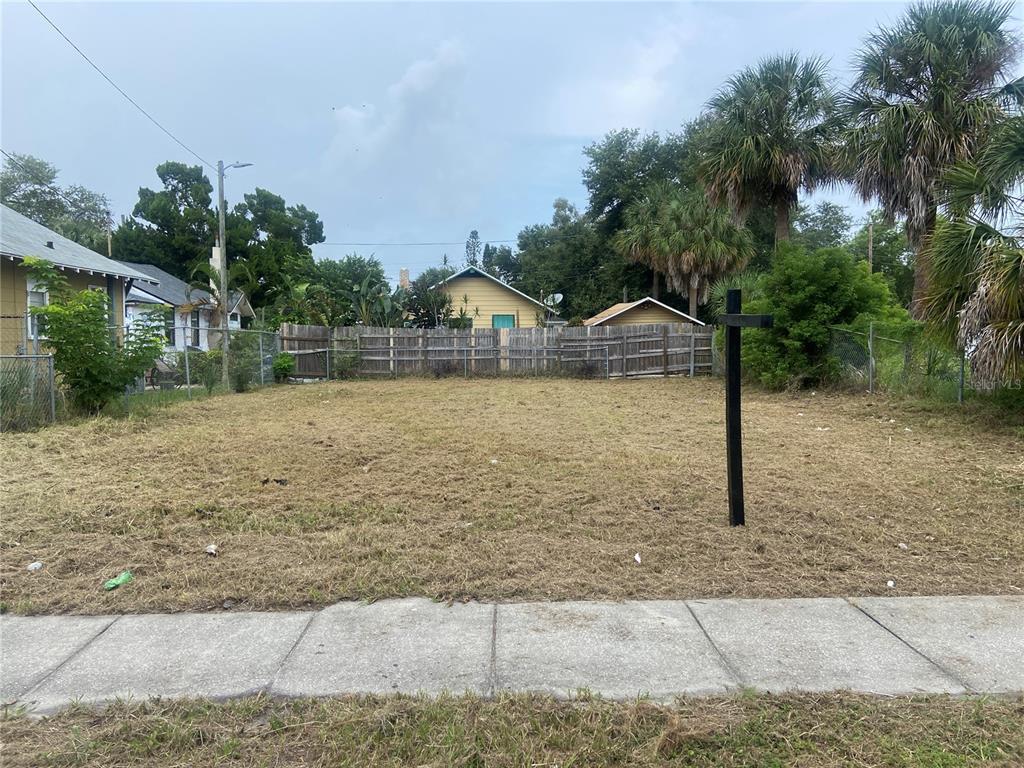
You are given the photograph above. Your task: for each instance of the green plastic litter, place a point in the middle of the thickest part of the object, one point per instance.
(124, 578)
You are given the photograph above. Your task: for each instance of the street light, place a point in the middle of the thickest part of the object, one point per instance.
(224, 298)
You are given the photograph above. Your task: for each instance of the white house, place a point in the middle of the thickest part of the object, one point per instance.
(186, 311)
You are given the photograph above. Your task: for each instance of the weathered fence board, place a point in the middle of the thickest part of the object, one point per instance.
(625, 350)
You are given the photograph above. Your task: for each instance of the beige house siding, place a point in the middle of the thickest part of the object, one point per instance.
(646, 313)
(14, 300)
(486, 298)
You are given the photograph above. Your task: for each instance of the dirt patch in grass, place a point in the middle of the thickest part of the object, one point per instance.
(509, 490)
(834, 730)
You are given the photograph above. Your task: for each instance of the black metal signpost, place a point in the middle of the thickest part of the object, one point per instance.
(734, 320)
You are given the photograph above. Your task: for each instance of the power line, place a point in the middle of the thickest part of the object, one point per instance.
(57, 191)
(118, 88)
(407, 245)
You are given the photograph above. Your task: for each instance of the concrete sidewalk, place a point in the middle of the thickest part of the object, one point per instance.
(659, 649)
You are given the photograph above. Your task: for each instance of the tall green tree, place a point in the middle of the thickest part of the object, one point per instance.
(891, 254)
(771, 135)
(172, 228)
(29, 186)
(928, 91)
(473, 249)
(826, 225)
(572, 257)
(686, 237)
(622, 166)
(976, 258)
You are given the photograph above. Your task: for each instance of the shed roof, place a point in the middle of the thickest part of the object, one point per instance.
(624, 306)
(476, 272)
(21, 237)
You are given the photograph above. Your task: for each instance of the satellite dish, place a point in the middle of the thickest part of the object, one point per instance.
(553, 299)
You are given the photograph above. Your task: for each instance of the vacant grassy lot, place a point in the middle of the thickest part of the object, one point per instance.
(528, 731)
(509, 489)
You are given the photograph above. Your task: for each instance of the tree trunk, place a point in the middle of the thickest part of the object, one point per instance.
(654, 284)
(782, 209)
(921, 268)
(693, 301)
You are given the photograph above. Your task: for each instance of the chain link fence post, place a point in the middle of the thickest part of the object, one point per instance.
(188, 373)
(960, 383)
(262, 360)
(53, 390)
(871, 358)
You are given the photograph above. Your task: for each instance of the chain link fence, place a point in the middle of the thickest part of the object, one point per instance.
(898, 360)
(249, 363)
(28, 392)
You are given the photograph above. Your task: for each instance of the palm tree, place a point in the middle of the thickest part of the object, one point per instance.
(927, 92)
(976, 268)
(770, 135)
(685, 237)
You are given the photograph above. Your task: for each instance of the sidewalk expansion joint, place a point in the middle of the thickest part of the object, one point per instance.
(269, 687)
(492, 673)
(718, 651)
(948, 673)
(74, 655)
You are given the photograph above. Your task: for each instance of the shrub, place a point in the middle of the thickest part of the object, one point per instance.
(244, 361)
(283, 366)
(93, 363)
(205, 367)
(807, 293)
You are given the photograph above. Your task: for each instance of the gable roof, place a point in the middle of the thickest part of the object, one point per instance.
(475, 272)
(617, 309)
(21, 237)
(172, 290)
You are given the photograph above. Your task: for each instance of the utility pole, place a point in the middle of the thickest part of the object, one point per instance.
(222, 251)
(871, 245)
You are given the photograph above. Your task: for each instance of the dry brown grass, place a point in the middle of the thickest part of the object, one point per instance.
(824, 731)
(391, 490)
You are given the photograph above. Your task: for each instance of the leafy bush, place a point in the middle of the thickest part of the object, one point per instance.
(283, 366)
(807, 293)
(245, 360)
(205, 367)
(93, 363)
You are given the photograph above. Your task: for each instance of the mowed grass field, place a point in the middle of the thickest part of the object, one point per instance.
(807, 730)
(508, 490)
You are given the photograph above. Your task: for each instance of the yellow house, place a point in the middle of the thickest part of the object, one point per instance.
(642, 312)
(489, 303)
(84, 268)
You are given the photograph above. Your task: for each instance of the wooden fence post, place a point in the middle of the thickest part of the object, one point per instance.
(664, 349)
(391, 351)
(423, 351)
(693, 350)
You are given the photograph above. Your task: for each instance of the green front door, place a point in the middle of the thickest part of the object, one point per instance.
(503, 321)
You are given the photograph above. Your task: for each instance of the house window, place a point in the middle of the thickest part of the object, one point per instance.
(503, 321)
(36, 323)
(169, 326)
(195, 327)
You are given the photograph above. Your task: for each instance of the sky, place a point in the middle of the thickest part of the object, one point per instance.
(397, 123)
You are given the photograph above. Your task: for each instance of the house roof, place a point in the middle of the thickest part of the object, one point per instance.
(21, 237)
(475, 272)
(617, 309)
(171, 290)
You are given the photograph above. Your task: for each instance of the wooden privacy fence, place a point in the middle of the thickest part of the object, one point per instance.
(623, 350)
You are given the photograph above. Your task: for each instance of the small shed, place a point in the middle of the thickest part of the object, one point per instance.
(641, 312)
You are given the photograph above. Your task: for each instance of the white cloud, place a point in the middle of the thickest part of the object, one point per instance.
(653, 80)
(415, 153)
(419, 106)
